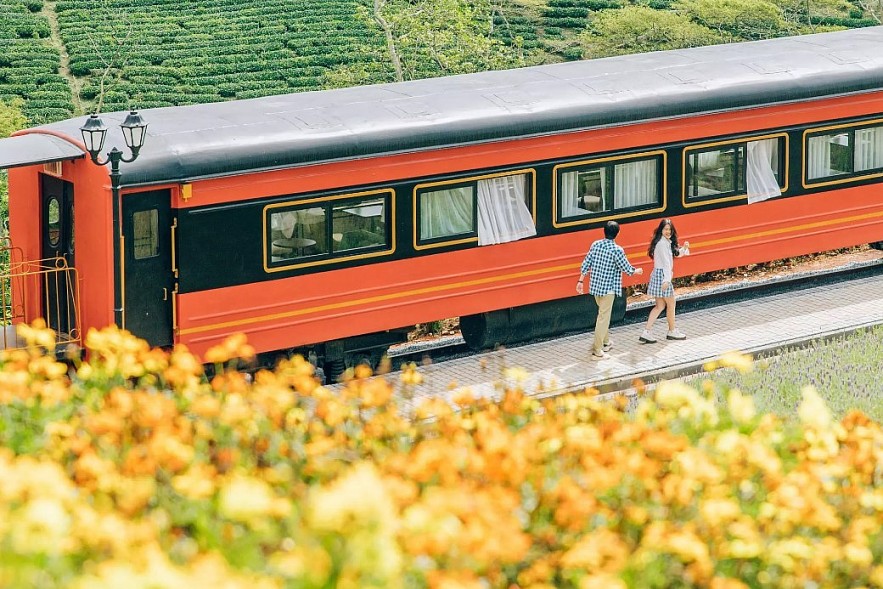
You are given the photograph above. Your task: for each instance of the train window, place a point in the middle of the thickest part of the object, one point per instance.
(609, 186)
(713, 172)
(146, 234)
(323, 230)
(735, 169)
(829, 155)
(54, 221)
(358, 225)
(488, 209)
(844, 152)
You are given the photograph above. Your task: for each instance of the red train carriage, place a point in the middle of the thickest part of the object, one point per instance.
(329, 221)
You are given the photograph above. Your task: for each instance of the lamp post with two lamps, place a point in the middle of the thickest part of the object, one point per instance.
(94, 133)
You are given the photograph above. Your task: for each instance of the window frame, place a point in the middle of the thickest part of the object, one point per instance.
(472, 236)
(697, 201)
(661, 157)
(327, 202)
(853, 176)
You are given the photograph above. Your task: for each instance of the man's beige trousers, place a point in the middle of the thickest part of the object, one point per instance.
(602, 325)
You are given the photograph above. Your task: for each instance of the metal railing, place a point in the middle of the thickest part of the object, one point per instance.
(25, 282)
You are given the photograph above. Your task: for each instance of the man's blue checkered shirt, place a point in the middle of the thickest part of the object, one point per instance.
(606, 262)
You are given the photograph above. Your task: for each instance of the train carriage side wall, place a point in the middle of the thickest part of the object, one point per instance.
(225, 287)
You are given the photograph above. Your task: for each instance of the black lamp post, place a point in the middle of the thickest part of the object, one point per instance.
(134, 132)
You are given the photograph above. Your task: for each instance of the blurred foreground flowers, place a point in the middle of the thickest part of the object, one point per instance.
(134, 470)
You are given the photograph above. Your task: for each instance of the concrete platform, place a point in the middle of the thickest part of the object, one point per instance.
(762, 323)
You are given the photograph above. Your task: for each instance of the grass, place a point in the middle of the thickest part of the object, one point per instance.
(844, 370)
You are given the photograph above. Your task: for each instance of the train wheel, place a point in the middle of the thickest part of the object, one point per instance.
(877, 245)
(334, 369)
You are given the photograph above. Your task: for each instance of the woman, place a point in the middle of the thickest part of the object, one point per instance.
(663, 249)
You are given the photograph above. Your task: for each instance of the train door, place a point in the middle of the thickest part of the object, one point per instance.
(148, 280)
(57, 249)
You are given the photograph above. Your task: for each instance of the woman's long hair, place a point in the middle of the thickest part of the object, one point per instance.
(657, 235)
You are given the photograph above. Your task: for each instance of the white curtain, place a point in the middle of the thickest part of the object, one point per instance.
(763, 161)
(635, 184)
(569, 191)
(708, 160)
(284, 223)
(502, 211)
(446, 212)
(570, 194)
(818, 158)
(868, 149)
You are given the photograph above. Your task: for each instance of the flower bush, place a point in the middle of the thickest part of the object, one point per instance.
(133, 469)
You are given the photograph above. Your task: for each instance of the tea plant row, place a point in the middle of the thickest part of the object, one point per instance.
(29, 63)
(186, 53)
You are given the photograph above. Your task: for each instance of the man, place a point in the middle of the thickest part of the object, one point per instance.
(606, 262)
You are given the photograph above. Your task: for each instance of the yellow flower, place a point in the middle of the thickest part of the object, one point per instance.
(742, 549)
(358, 510)
(741, 406)
(813, 411)
(790, 553)
(410, 375)
(245, 499)
(433, 407)
(196, 483)
(727, 583)
(741, 362)
(44, 527)
(719, 511)
(359, 498)
(858, 554)
(517, 374)
(375, 393)
(689, 404)
(602, 581)
(37, 334)
(301, 563)
(601, 551)
(674, 394)
(872, 500)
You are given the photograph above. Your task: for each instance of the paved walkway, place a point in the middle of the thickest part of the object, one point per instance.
(763, 323)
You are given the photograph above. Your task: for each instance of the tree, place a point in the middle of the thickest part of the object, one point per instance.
(872, 9)
(111, 38)
(11, 117)
(742, 19)
(638, 29)
(427, 38)
(803, 14)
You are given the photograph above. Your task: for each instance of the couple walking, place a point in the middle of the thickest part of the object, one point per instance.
(606, 262)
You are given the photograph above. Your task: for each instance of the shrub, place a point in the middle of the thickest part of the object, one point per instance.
(137, 464)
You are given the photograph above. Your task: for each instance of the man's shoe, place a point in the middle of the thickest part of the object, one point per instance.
(597, 357)
(647, 338)
(675, 335)
(607, 347)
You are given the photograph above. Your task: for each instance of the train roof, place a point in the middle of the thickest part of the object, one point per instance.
(226, 138)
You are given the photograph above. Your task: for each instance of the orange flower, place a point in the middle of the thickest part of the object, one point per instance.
(206, 406)
(235, 346)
